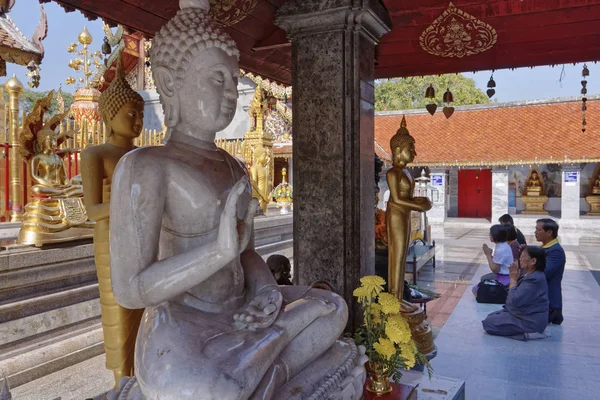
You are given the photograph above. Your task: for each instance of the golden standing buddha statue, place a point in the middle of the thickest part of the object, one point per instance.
(400, 206)
(398, 224)
(56, 212)
(123, 111)
(259, 175)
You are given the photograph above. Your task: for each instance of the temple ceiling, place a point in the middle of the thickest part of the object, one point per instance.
(428, 36)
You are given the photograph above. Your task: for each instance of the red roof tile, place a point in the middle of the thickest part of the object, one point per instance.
(499, 134)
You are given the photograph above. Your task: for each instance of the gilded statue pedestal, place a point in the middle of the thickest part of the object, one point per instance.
(50, 220)
(594, 202)
(534, 204)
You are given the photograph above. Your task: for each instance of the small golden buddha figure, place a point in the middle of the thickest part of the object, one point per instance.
(534, 185)
(399, 207)
(122, 110)
(56, 206)
(596, 187)
(48, 170)
(259, 174)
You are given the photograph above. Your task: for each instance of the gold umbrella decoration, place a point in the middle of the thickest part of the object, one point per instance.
(85, 107)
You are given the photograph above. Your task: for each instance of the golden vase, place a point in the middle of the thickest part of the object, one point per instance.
(379, 379)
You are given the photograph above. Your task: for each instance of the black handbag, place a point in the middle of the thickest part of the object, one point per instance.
(490, 291)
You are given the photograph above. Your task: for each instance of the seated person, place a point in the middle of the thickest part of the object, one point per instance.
(526, 309)
(506, 219)
(501, 259)
(512, 241)
(281, 269)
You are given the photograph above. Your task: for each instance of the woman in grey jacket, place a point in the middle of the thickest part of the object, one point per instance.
(526, 309)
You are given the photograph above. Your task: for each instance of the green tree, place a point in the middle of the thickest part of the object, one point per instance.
(409, 93)
(29, 97)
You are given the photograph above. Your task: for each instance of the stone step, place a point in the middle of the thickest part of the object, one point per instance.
(34, 279)
(37, 325)
(38, 303)
(44, 354)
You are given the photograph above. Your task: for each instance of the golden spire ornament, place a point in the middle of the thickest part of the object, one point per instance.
(85, 106)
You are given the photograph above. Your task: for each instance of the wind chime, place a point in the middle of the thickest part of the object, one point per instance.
(430, 94)
(585, 73)
(491, 85)
(448, 98)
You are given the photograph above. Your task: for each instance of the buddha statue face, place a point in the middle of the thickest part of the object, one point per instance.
(262, 157)
(47, 141)
(129, 120)
(405, 154)
(207, 98)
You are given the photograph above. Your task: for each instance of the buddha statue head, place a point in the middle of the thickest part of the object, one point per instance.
(122, 108)
(261, 156)
(402, 145)
(195, 70)
(46, 141)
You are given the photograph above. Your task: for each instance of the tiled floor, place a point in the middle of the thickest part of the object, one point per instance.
(563, 367)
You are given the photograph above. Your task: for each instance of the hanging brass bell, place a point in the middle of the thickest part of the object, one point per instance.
(430, 92)
(448, 96)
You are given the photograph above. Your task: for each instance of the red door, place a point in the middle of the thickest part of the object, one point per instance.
(475, 193)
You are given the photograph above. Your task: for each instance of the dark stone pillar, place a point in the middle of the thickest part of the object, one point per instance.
(333, 48)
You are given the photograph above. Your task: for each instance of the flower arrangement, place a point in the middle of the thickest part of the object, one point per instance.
(385, 333)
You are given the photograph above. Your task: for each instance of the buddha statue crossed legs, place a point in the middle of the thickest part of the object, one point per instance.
(216, 324)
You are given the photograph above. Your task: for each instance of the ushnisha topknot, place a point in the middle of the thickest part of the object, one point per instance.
(118, 93)
(402, 137)
(189, 32)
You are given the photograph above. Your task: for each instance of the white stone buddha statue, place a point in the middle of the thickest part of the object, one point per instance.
(216, 325)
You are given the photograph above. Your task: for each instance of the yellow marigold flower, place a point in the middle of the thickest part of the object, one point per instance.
(362, 294)
(407, 352)
(389, 303)
(397, 329)
(376, 313)
(385, 347)
(372, 283)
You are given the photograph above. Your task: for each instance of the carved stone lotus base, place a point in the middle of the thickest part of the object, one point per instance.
(594, 202)
(339, 374)
(49, 220)
(534, 204)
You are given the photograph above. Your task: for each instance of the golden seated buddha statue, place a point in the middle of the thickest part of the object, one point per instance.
(534, 185)
(596, 187)
(55, 212)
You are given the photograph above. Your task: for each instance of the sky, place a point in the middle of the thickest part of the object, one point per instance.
(63, 28)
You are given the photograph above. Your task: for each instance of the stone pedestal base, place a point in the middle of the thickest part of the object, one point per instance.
(534, 204)
(594, 202)
(339, 374)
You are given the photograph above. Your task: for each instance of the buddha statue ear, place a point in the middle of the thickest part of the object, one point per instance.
(165, 83)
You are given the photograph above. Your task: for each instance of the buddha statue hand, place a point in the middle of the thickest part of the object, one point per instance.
(423, 203)
(233, 238)
(262, 311)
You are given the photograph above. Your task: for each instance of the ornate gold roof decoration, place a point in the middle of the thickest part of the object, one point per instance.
(230, 12)
(456, 33)
(280, 92)
(273, 88)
